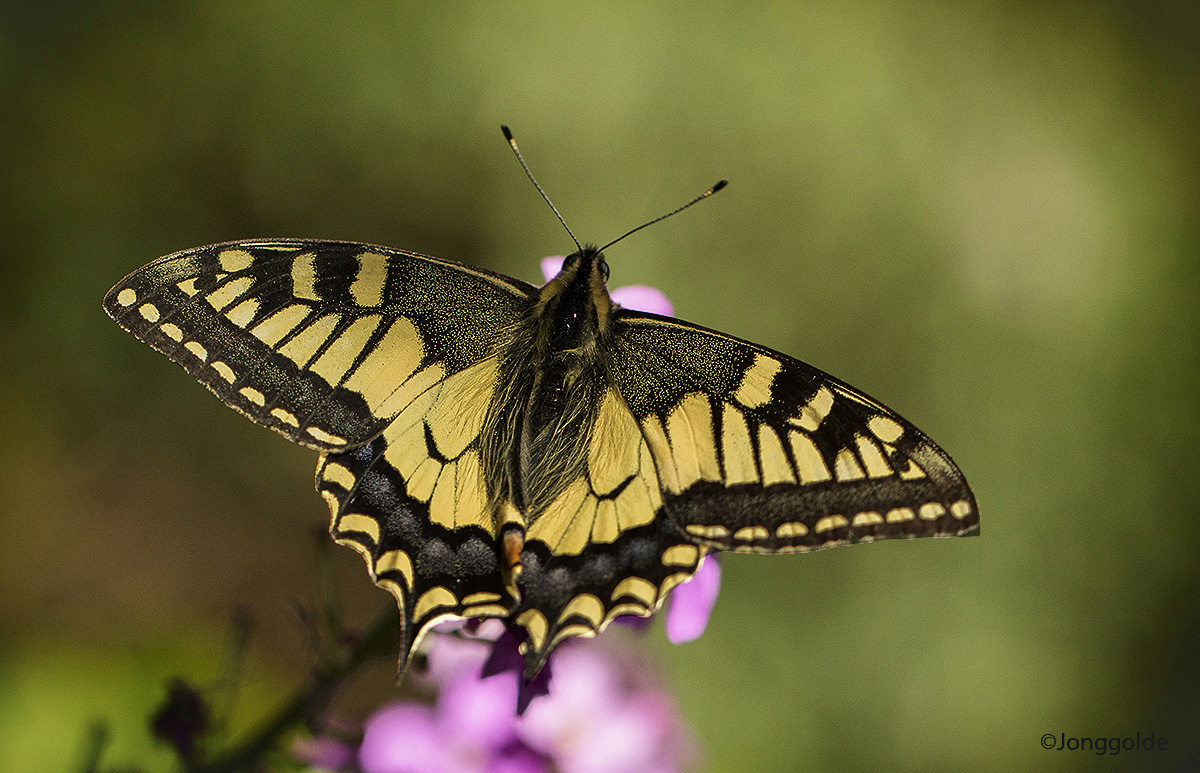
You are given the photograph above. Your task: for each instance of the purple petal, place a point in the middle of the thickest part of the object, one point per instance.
(551, 266)
(479, 713)
(586, 687)
(506, 656)
(643, 298)
(402, 738)
(323, 752)
(632, 736)
(691, 602)
(518, 758)
(449, 656)
(182, 718)
(676, 747)
(598, 720)
(634, 622)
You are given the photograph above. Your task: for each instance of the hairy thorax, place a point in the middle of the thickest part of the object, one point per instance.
(553, 374)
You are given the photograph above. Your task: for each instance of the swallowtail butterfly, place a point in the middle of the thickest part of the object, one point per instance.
(496, 449)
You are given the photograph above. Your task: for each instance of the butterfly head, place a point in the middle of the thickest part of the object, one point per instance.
(574, 307)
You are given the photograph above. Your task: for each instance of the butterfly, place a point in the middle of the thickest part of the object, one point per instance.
(538, 454)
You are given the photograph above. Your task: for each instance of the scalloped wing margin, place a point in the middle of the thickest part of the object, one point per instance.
(759, 452)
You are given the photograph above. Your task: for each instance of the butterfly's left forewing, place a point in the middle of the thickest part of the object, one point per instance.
(315, 339)
(759, 452)
(382, 359)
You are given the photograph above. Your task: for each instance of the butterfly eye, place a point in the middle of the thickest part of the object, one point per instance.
(604, 269)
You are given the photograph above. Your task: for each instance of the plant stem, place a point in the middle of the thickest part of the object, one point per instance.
(306, 700)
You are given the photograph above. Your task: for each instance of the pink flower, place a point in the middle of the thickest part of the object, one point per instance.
(604, 715)
(471, 727)
(691, 603)
(403, 738)
(470, 730)
(603, 712)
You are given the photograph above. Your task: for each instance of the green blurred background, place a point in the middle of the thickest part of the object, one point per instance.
(984, 214)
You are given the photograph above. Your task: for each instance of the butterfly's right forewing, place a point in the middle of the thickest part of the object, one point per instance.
(759, 452)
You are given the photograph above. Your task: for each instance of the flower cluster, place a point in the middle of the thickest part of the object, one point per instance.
(601, 711)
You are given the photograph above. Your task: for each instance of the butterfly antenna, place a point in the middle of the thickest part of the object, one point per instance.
(513, 144)
(721, 184)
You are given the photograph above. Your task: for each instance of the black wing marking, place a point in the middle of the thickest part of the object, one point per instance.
(315, 339)
(603, 548)
(759, 452)
(414, 502)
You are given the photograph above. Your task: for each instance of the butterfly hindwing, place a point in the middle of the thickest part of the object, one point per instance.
(315, 339)
(759, 452)
(414, 503)
(602, 548)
